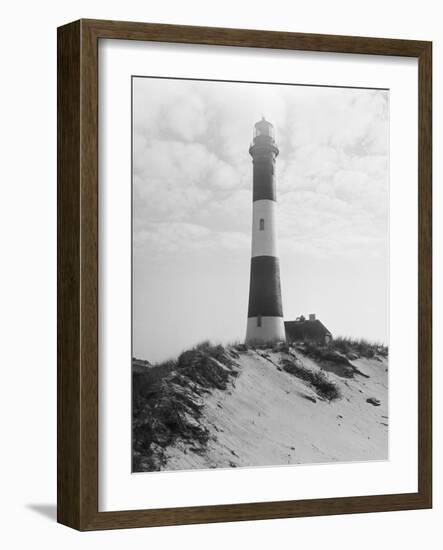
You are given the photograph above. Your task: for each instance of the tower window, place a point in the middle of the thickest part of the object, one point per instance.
(259, 320)
(262, 224)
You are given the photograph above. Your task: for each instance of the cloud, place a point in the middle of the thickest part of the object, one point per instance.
(193, 174)
(321, 225)
(174, 180)
(166, 107)
(182, 238)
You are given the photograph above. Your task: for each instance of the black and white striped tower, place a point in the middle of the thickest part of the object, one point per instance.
(265, 314)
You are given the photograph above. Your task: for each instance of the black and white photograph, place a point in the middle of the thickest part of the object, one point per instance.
(218, 275)
(260, 274)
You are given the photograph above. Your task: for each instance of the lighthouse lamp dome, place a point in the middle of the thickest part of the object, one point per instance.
(263, 128)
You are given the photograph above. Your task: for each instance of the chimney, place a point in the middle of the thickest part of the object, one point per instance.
(312, 316)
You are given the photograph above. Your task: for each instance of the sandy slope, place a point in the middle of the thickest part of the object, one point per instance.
(269, 417)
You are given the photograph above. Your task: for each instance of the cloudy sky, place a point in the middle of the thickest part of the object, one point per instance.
(192, 204)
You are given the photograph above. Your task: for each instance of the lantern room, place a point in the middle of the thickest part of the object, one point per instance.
(263, 128)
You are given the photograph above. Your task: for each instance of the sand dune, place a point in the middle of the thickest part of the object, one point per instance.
(267, 416)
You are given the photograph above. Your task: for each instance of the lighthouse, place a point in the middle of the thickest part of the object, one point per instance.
(265, 312)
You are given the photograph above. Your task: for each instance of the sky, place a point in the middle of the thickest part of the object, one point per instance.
(192, 209)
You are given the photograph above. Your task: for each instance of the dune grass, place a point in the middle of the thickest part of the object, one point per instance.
(317, 379)
(167, 401)
(360, 346)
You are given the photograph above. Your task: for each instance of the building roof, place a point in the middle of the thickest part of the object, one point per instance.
(306, 329)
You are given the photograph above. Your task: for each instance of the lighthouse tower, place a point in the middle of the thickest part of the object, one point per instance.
(265, 313)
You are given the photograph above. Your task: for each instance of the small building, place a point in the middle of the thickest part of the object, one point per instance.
(307, 329)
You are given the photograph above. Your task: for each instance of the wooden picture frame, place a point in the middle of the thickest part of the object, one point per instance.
(78, 274)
